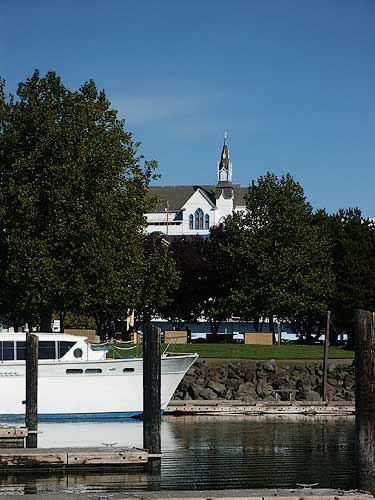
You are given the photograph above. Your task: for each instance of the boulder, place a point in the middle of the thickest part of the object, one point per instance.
(349, 382)
(233, 384)
(195, 391)
(311, 396)
(218, 388)
(263, 388)
(228, 394)
(232, 374)
(270, 366)
(260, 374)
(207, 393)
(246, 392)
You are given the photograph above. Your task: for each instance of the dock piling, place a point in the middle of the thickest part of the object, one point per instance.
(325, 358)
(151, 390)
(32, 390)
(364, 399)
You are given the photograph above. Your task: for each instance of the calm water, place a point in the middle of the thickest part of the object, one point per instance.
(209, 453)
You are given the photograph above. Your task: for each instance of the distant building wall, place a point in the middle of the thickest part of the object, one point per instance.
(175, 337)
(90, 334)
(259, 338)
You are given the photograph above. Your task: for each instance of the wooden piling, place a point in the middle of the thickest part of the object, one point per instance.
(325, 359)
(32, 390)
(151, 390)
(364, 329)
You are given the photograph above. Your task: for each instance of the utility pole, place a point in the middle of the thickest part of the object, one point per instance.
(167, 210)
(325, 359)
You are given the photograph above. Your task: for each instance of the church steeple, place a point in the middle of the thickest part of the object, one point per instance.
(224, 168)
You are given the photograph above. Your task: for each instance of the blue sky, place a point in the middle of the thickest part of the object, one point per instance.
(293, 82)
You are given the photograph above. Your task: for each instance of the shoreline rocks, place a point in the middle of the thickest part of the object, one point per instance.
(251, 381)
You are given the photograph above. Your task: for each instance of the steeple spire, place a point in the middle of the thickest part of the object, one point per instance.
(225, 165)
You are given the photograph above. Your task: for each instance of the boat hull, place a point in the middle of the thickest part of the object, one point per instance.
(87, 390)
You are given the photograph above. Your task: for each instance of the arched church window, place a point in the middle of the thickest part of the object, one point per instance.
(206, 221)
(191, 221)
(199, 218)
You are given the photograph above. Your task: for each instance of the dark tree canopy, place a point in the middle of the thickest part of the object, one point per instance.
(353, 243)
(202, 289)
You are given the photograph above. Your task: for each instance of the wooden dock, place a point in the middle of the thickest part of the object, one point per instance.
(274, 494)
(225, 407)
(12, 432)
(17, 459)
(12, 436)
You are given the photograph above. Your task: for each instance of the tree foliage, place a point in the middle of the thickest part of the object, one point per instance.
(159, 277)
(353, 248)
(73, 196)
(202, 287)
(281, 260)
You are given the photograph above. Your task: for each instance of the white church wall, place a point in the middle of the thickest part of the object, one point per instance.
(195, 202)
(224, 208)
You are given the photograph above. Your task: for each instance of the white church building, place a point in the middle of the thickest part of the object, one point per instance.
(192, 210)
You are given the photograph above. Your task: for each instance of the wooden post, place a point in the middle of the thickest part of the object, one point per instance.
(32, 390)
(325, 359)
(151, 390)
(364, 330)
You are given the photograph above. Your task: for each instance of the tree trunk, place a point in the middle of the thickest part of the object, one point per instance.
(62, 318)
(45, 322)
(256, 323)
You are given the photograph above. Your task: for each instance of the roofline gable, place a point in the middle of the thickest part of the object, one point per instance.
(203, 193)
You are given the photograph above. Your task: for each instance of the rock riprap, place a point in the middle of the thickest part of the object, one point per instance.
(252, 381)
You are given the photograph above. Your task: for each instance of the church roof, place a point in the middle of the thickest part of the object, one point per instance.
(177, 196)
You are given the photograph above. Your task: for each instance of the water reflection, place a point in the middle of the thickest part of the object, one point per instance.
(254, 452)
(209, 453)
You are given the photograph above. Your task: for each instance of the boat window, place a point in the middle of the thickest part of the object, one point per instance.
(78, 353)
(64, 347)
(21, 350)
(47, 350)
(7, 350)
(128, 370)
(74, 370)
(93, 370)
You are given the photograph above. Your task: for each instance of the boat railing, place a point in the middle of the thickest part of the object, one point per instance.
(171, 347)
(117, 348)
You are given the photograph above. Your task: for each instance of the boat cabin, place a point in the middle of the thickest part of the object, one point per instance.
(51, 346)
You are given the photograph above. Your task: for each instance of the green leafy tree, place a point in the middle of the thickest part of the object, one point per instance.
(160, 277)
(73, 196)
(353, 243)
(281, 260)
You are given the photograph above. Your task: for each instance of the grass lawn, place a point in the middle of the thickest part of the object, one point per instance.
(242, 351)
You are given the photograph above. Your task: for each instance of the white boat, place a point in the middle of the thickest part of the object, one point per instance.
(76, 380)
